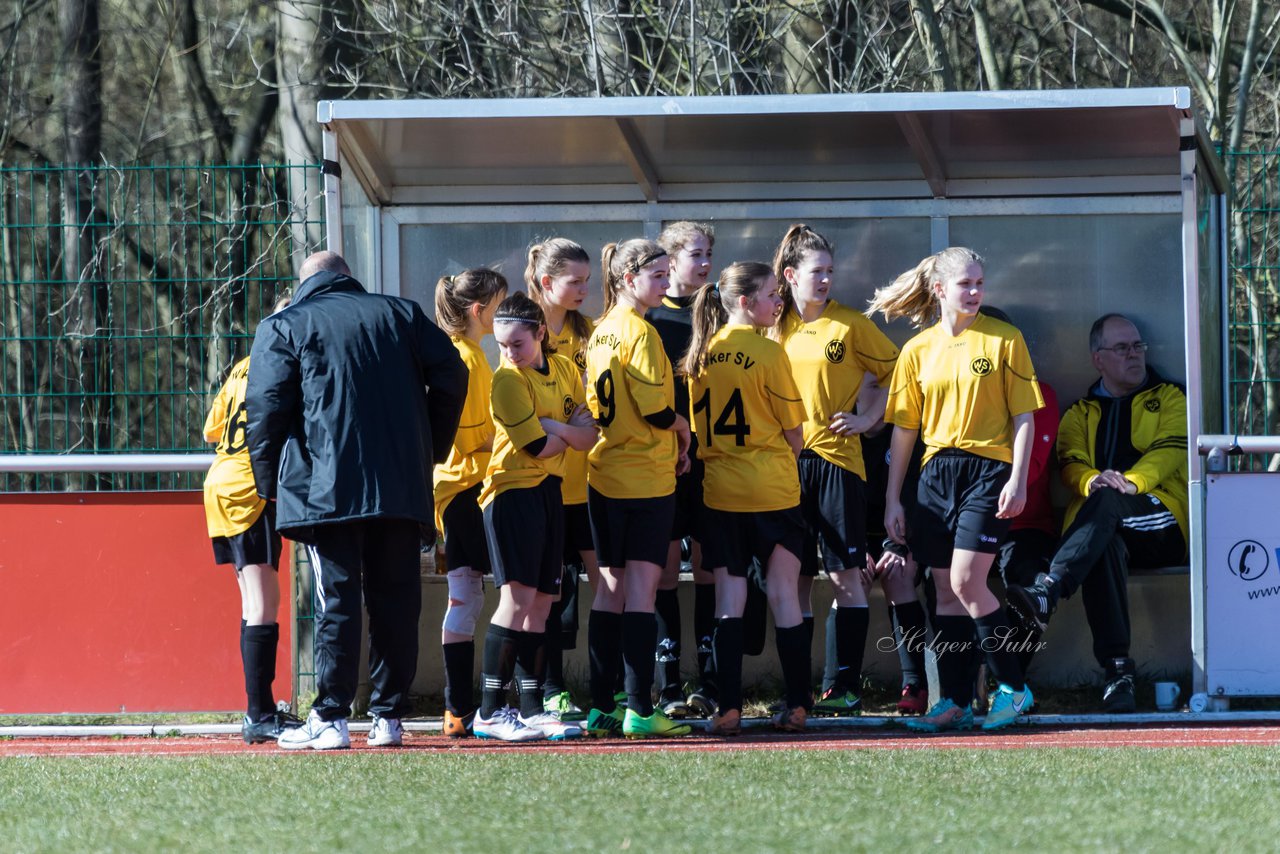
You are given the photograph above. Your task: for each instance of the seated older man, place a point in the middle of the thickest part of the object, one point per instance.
(1123, 450)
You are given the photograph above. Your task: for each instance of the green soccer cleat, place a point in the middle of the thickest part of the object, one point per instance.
(1007, 707)
(562, 704)
(601, 724)
(943, 717)
(657, 725)
(838, 703)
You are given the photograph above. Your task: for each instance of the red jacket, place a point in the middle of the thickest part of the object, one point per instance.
(1038, 512)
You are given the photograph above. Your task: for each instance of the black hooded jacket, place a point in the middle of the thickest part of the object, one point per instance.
(352, 397)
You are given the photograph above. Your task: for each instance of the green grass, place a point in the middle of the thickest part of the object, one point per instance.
(874, 800)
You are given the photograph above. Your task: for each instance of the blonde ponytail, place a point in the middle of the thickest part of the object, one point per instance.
(911, 294)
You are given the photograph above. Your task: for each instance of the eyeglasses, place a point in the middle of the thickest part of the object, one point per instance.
(1126, 349)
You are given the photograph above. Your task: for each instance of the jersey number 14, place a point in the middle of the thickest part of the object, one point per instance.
(732, 420)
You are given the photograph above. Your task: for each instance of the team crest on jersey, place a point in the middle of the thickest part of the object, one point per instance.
(981, 366)
(1152, 405)
(568, 407)
(835, 352)
(580, 359)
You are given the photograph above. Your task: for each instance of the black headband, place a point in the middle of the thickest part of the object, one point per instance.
(645, 261)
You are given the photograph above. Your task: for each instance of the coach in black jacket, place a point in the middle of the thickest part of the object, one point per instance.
(352, 398)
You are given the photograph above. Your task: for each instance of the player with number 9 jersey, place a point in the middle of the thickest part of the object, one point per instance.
(629, 377)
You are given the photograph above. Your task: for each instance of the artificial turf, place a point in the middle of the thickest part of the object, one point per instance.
(850, 800)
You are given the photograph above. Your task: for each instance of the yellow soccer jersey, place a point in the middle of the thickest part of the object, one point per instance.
(963, 391)
(573, 490)
(739, 407)
(829, 357)
(231, 502)
(472, 445)
(629, 377)
(520, 396)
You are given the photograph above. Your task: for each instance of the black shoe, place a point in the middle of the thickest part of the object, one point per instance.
(703, 701)
(672, 702)
(1033, 605)
(1117, 695)
(269, 729)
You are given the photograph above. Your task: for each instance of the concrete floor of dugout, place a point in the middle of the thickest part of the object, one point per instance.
(1159, 607)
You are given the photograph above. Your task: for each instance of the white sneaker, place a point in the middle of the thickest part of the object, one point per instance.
(504, 725)
(317, 734)
(553, 729)
(386, 732)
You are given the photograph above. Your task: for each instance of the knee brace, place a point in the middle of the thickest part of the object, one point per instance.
(466, 601)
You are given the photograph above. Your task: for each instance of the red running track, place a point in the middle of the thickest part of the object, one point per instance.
(1219, 736)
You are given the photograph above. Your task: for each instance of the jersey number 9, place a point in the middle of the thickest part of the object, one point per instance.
(604, 397)
(732, 420)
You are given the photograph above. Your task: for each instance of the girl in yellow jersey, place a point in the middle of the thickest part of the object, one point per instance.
(242, 527)
(631, 481)
(538, 414)
(465, 306)
(556, 278)
(831, 348)
(967, 387)
(748, 415)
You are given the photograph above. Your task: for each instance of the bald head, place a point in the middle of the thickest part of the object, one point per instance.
(323, 262)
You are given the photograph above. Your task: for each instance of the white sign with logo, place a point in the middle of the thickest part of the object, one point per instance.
(1242, 584)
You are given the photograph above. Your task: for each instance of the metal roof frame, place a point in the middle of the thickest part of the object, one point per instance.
(846, 146)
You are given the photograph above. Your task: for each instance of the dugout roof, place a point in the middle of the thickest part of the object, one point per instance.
(860, 146)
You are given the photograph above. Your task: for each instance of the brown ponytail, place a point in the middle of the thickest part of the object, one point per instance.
(456, 294)
(618, 259)
(798, 240)
(549, 258)
(711, 308)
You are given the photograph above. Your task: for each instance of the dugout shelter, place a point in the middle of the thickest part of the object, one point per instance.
(1082, 202)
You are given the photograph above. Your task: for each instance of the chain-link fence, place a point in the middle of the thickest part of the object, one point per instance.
(128, 293)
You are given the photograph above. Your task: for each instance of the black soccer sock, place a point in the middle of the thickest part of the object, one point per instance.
(793, 653)
(727, 645)
(910, 638)
(459, 661)
(755, 617)
(851, 646)
(953, 646)
(553, 650)
(667, 611)
(639, 634)
(704, 622)
(830, 663)
(565, 612)
(808, 623)
(258, 653)
(530, 667)
(604, 646)
(497, 668)
(993, 635)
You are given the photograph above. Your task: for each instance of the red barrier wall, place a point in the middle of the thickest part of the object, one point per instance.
(112, 603)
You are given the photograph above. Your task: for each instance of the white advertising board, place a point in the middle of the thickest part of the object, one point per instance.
(1242, 584)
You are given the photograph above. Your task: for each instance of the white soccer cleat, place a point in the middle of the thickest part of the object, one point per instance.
(504, 725)
(386, 732)
(317, 734)
(552, 728)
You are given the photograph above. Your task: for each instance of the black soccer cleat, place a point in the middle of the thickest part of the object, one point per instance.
(1117, 694)
(261, 732)
(1033, 605)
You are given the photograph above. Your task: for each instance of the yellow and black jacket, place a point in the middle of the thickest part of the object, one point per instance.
(1143, 435)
